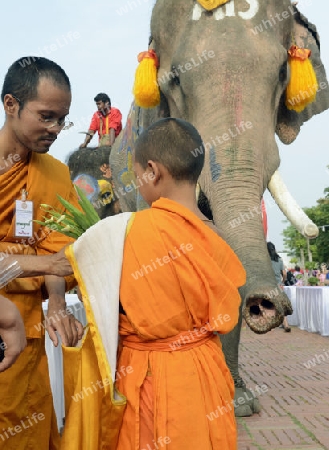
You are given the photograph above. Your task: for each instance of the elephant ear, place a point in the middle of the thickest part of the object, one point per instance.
(289, 122)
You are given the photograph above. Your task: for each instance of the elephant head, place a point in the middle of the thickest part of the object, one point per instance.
(90, 170)
(226, 71)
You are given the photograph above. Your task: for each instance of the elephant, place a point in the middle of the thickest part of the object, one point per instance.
(226, 71)
(90, 170)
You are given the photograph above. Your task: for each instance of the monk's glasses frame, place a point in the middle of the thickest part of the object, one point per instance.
(63, 124)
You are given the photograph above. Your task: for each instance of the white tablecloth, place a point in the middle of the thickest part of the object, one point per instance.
(293, 320)
(55, 360)
(311, 308)
(312, 304)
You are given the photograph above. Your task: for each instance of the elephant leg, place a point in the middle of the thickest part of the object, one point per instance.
(245, 403)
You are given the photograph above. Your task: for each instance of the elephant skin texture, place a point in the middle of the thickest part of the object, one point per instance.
(226, 72)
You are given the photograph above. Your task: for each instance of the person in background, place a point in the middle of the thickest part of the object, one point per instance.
(280, 275)
(323, 274)
(297, 271)
(290, 279)
(106, 121)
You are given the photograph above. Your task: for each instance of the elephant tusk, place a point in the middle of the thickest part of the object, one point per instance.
(290, 208)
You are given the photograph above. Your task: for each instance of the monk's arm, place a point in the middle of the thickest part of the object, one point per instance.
(13, 266)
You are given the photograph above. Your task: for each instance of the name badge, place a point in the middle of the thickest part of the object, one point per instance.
(24, 218)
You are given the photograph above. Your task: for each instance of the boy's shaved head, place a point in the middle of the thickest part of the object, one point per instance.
(175, 144)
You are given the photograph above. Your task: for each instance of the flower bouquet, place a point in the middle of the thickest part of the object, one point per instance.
(74, 222)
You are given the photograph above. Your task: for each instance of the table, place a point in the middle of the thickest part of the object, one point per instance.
(312, 305)
(311, 308)
(293, 320)
(55, 359)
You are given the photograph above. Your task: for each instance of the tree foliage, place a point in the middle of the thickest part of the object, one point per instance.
(295, 242)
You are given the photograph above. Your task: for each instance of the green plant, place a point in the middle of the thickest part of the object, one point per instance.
(313, 281)
(74, 222)
(311, 265)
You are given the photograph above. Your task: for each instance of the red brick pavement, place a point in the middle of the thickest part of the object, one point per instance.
(295, 406)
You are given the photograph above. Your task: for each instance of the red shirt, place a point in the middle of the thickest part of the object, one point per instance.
(114, 121)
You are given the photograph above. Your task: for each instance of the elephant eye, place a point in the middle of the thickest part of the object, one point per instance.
(175, 78)
(283, 72)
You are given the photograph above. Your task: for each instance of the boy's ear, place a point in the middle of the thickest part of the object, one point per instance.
(155, 170)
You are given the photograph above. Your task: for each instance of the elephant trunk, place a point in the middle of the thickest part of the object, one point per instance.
(237, 214)
(264, 302)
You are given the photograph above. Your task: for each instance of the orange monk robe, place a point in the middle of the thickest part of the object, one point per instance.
(179, 284)
(25, 387)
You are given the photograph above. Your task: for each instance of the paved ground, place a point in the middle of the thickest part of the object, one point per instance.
(295, 407)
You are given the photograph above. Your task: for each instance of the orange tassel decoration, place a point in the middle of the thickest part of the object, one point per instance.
(303, 85)
(146, 89)
(209, 5)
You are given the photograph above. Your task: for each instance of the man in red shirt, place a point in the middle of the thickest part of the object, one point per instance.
(107, 121)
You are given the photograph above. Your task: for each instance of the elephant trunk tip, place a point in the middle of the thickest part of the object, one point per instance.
(263, 311)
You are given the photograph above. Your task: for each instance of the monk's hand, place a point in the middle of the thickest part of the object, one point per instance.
(12, 333)
(61, 320)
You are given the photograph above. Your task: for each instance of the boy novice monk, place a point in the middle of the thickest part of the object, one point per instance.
(179, 283)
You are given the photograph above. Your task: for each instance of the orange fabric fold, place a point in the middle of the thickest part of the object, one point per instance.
(179, 283)
(182, 341)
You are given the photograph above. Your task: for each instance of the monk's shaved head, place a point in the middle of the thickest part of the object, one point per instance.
(175, 144)
(23, 77)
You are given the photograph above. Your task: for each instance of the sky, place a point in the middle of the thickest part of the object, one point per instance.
(97, 44)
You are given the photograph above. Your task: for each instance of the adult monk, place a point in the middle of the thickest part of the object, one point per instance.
(179, 284)
(36, 96)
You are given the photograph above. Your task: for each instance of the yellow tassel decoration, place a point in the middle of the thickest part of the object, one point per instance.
(209, 5)
(303, 85)
(146, 89)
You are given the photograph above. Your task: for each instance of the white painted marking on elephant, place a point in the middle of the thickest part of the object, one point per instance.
(197, 11)
(228, 10)
(219, 13)
(253, 10)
